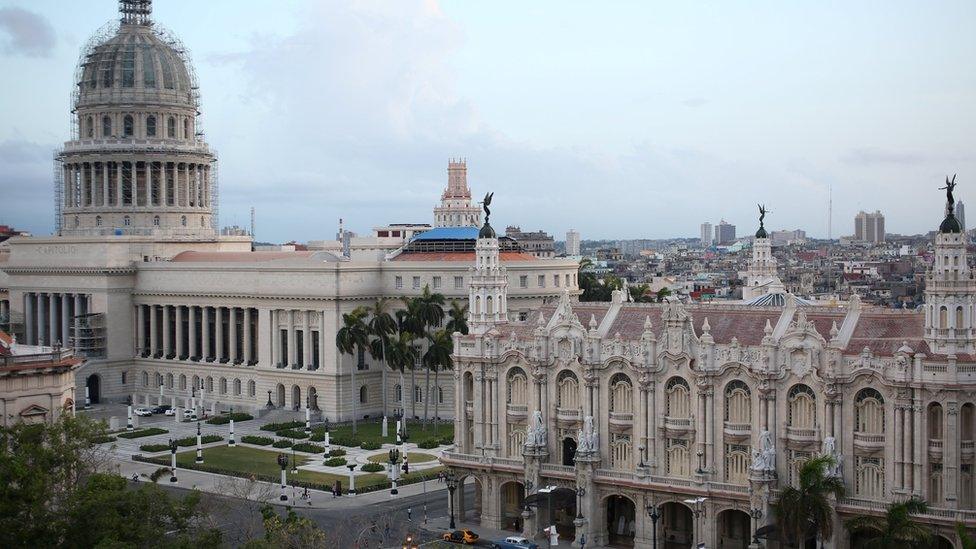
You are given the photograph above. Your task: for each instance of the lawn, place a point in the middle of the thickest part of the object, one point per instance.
(242, 461)
(371, 431)
(412, 457)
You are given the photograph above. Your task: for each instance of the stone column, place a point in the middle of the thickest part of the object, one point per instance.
(219, 333)
(709, 426)
(52, 318)
(134, 166)
(291, 339)
(950, 449)
(307, 341)
(179, 332)
(899, 447)
(479, 409)
(914, 427)
(167, 343)
(205, 316)
(263, 328)
(700, 426)
(41, 320)
(118, 184)
(247, 336)
(652, 424)
(140, 328)
(186, 186)
(149, 184)
(85, 186)
(29, 326)
(153, 331)
(232, 333)
(192, 331)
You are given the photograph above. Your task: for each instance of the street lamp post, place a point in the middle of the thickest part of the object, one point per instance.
(269, 404)
(756, 514)
(172, 451)
(580, 492)
(452, 484)
(394, 458)
(655, 513)
(128, 425)
(283, 463)
(294, 462)
(701, 463)
(199, 444)
(642, 449)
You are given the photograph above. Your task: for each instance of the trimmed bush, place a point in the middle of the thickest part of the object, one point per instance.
(370, 445)
(224, 419)
(102, 439)
(337, 452)
(192, 440)
(260, 441)
(282, 426)
(372, 468)
(284, 443)
(291, 433)
(447, 440)
(318, 437)
(346, 441)
(428, 444)
(153, 448)
(308, 447)
(335, 462)
(142, 433)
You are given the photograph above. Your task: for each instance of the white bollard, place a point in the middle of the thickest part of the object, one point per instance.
(399, 441)
(308, 421)
(128, 425)
(385, 427)
(231, 443)
(328, 445)
(199, 445)
(87, 398)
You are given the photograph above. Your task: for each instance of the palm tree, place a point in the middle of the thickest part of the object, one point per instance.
(638, 293)
(896, 529)
(458, 318)
(967, 541)
(402, 353)
(381, 327)
(430, 309)
(353, 339)
(807, 510)
(409, 322)
(438, 355)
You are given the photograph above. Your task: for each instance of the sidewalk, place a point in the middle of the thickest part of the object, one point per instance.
(211, 483)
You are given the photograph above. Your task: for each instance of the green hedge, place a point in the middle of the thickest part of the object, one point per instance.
(282, 426)
(372, 468)
(318, 437)
(447, 440)
(291, 433)
(335, 462)
(260, 441)
(284, 443)
(308, 447)
(192, 440)
(348, 441)
(153, 448)
(143, 433)
(102, 439)
(337, 452)
(428, 443)
(224, 419)
(370, 445)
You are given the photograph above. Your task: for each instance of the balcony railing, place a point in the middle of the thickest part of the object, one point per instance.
(869, 440)
(623, 418)
(517, 410)
(799, 434)
(568, 414)
(737, 429)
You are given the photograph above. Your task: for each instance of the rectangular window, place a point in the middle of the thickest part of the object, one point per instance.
(300, 347)
(283, 357)
(315, 350)
(523, 316)
(416, 283)
(524, 281)
(437, 282)
(399, 283)
(129, 67)
(361, 360)
(555, 280)
(123, 378)
(567, 280)
(542, 281)
(458, 282)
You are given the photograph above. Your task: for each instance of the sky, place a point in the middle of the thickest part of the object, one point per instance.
(619, 119)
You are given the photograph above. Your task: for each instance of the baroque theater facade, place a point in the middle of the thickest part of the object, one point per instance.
(594, 417)
(139, 283)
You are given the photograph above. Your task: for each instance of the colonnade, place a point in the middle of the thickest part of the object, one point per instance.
(208, 334)
(139, 183)
(48, 316)
(297, 341)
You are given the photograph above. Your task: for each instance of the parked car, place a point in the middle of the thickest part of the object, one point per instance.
(143, 411)
(519, 542)
(466, 537)
(170, 412)
(190, 414)
(164, 409)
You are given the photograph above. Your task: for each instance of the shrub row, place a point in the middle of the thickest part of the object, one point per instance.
(282, 426)
(224, 419)
(337, 452)
(102, 439)
(192, 440)
(319, 437)
(370, 445)
(153, 448)
(143, 433)
(283, 443)
(308, 447)
(291, 433)
(373, 468)
(429, 443)
(260, 441)
(335, 462)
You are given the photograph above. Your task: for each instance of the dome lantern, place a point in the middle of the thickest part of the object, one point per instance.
(136, 12)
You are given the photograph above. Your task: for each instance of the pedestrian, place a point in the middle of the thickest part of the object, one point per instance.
(333, 491)
(409, 514)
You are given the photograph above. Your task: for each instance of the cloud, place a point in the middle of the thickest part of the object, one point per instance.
(25, 33)
(874, 156)
(694, 102)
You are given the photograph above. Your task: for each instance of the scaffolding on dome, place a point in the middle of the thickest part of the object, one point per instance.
(88, 335)
(214, 193)
(58, 191)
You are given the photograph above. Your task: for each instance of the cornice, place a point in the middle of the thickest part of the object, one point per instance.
(104, 271)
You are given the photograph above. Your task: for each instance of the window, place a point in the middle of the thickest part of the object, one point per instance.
(156, 221)
(567, 280)
(678, 458)
(123, 378)
(555, 280)
(458, 282)
(869, 412)
(398, 394)
(738, 408)
(416, 283)
(523, 316)
(399, 283)
(802, 407)
(106, 126)
(440, 395)
(252, 388)
(437, 282)
(145, 379)
(737, 464)
(567, 395)
(182, 382)
(524, 281)
(678, 399)
(126, 221)
(169, 381)
(418, 394)
(129, 67)
(620, 451)
(361, 360)
(363, 395)
(151, 126)
(621, 394)
(90, 127)
(171, 128)
(107, 68)
(223, 386)
(77, 221)
(148, 69)
(542, 281)
(209, 384)
(237, 387)
(516, 439)
(518, 387)
(869, 477)
(167, 72)
(183, 220)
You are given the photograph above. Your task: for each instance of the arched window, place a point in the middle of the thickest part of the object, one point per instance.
(126, 221)
(90, 127)
(869, 412)
(128, 126)
(183, 220)
(737, 463)
(171, 128)
(621, 394)
(440, 395)
(151, 126)
(518, 387)
(943, 317)
(98, 221)
(621, 449)
(106, 126)
(959, 321)
(802, 407)
(169, 381)
(201, 221)
(223, 386)
(418, 394)
(145, 379)
(677, 398)
(869, 477)
(209, 384)
(398, 393)
(738, 404)
(77, 221)
(182, 382)
(252, 388)
(155, 220)
(186, 129)
(935, 421)
(159, 380)
(516, 439)
(237, 387)
(568, 390)
(678, 458)
(364, 395)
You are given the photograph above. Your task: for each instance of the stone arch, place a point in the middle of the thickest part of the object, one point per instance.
(94, 385)
(621, 393)
(465, 510)
(677, 527)
(512, 499)
(733, 529)
(621, 520)
(280, 390)
(313, 398)
(296, 397)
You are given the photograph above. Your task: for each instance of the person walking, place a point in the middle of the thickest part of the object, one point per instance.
(409, 514)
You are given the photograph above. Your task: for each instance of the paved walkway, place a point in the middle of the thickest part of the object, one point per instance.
(440, 525)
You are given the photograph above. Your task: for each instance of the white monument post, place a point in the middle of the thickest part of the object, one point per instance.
(87, 398)
(385, 427)
(128, 426)
(308, 421)
(231, 443)
(159, 401)
(199, 444)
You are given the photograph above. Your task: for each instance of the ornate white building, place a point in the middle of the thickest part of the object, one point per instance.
(140, 284)
(592, 415)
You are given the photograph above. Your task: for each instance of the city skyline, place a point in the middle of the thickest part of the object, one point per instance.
(668, 146)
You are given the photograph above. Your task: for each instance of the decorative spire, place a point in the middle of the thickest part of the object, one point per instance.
(136, 12)
(761, 233)
(486, 230)
(950, 224)
(706, 328)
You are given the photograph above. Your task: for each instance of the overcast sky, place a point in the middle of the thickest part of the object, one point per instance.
(621, 119)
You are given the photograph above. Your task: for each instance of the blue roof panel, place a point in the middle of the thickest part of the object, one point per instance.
(449, 233)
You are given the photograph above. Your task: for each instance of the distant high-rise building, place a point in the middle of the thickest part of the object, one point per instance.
(572, 242)
(785, 238)
(455, 209)
(724, 233)
(706, 234)
(869, 227)
(961, 214)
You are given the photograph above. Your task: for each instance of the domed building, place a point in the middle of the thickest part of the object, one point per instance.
(137, 163)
